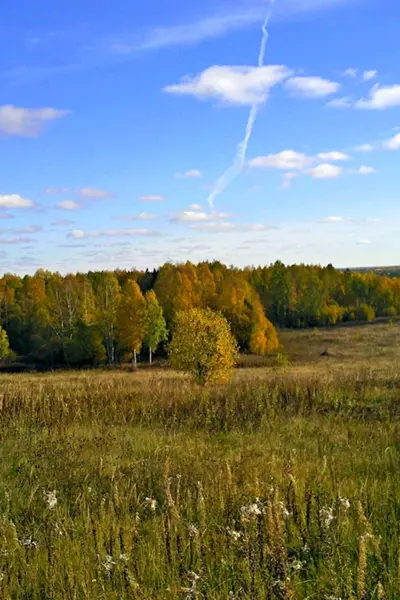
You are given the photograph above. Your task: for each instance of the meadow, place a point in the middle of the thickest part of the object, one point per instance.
(280, 485)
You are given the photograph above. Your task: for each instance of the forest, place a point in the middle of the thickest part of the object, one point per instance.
(103, 317)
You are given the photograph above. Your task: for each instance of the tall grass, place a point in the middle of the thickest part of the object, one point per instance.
(281, 485)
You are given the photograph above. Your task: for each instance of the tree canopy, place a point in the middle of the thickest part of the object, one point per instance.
(85, 319)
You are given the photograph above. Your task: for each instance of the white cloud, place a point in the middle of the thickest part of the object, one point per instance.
(364, 242)
(16, 240)
(191, 33)
(69, 205)
(29, 229)
(393, 143)
(196, 216)
(55, 191)
(258, 227)
(143, 216)
(364, 148)
(381, 98)
(286, 160)
(235, 17)
(14, 201)
(334, 219)
(26, 122)
(195, 207)
(240, 85)
(345, 102)
(152, 198)
(325, 171)
(363, 171)
(79, 234)
(333, 156)
(352, 73)
(192, 174)
(94, 193)
(369, 75)
(215, 226)
(287, 179)
(312, 87)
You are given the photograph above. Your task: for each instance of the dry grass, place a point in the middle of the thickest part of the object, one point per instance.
(281, 485)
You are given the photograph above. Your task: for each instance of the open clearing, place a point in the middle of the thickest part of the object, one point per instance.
(283, 484)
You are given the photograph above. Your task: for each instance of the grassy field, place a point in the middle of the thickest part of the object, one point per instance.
(281, 485)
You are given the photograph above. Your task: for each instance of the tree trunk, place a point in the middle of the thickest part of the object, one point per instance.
(134, 359)
(150, 356)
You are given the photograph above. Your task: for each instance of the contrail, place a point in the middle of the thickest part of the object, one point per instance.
(230, 174)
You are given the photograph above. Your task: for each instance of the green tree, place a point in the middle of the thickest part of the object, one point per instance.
(203, 346)
(4, 345)
(156, 326)
(132, 319)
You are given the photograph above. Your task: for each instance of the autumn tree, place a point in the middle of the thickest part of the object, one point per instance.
(132, 319)
(4, 345)
(156, 327)
(263, 337)
(203, 346)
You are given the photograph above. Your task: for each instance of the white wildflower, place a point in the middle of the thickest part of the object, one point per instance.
(151, 504)
(108, 564)
(285, 513)
(326, 515)
(2, 576)
(51, 499)
(193, 531)
(251, 510)
(124, 557)
(29, 542)
(235, 535)
(345, 503)
(297, 565)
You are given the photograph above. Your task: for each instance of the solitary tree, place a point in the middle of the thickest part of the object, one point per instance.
(4, 345)
(156, 326)
(203, 346)
(131, 318)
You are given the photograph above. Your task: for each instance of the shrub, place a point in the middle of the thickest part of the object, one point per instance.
(203, 346)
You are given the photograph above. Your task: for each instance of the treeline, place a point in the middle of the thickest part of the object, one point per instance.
(100, 317)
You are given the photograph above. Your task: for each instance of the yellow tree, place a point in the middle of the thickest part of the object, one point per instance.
(263, 337)
(203, 346)
(132, 319)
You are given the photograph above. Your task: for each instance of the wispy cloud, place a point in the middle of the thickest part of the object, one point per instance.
(62, 223)
(245, 14)
(69, 205)
(192, 174)
(193, 216)
(143, 216)
(26, 122)
(94, 193)
(80, 234)
(198, 31)
(152, 198)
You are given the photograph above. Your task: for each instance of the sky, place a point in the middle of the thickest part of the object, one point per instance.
(245, 131)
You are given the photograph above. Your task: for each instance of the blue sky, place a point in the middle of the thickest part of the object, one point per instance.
(120, 126)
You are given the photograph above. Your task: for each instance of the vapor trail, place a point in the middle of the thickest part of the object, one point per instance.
(230, 174)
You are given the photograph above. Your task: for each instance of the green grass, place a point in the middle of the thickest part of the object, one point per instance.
(281, 485)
